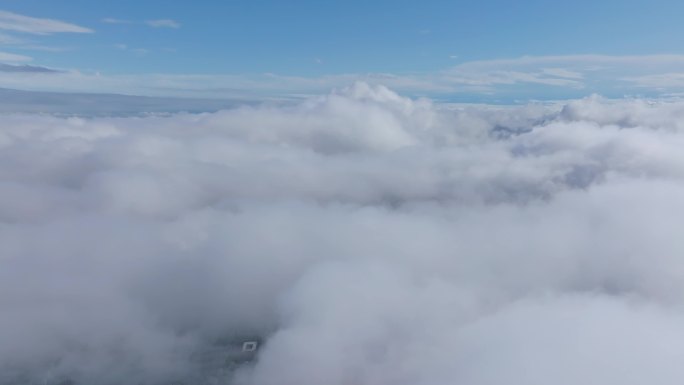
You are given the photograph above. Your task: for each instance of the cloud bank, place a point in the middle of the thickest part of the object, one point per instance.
(368, 237)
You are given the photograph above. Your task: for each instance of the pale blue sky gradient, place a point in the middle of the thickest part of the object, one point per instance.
(421, 46)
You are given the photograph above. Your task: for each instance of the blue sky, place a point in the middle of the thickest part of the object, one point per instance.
(465, 50)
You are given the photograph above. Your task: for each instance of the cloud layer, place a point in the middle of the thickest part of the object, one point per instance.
(370, 238)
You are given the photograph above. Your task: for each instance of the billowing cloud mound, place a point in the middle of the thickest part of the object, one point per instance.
(368, 238)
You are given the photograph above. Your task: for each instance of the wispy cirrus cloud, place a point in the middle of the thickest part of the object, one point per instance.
(542, 77)
(112, 20)
(29, 44)
(163, 23)
(663, 81)
(575, 71)
(12, 57)
(10, 21)
(25, 68)
(125, 47)
(155, 23)
(14, 29)
(6, 39)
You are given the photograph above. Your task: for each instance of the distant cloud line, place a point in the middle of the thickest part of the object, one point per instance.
(522, 78)
(156, 23)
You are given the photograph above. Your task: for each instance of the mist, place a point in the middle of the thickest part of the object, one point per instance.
(367, 237)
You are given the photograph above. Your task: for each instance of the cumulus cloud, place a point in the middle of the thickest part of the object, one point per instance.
(368, 238)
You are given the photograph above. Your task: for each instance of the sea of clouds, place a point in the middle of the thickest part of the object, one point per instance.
(371, 239)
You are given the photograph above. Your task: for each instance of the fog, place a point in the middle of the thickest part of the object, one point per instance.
(369, 238)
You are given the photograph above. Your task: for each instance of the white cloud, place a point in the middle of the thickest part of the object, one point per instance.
(574, 71)
(587, 62)
(25, 68)
(163, 23)
(6, 39)
(663, 81)
(370, 238)
(562, 73)
(158, 23)
(19, 23)
(125, 47)
(28, 44)
(112, 20)
(12, 57)
(555, 77)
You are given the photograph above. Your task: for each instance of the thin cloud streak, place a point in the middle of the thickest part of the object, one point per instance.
(111, 20)
(510, 79)
(11, 57)
(163, 23)
(38, 26)
(25, 68)
(156, 23)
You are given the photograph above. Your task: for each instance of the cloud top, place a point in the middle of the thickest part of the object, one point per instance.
(368, 237)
